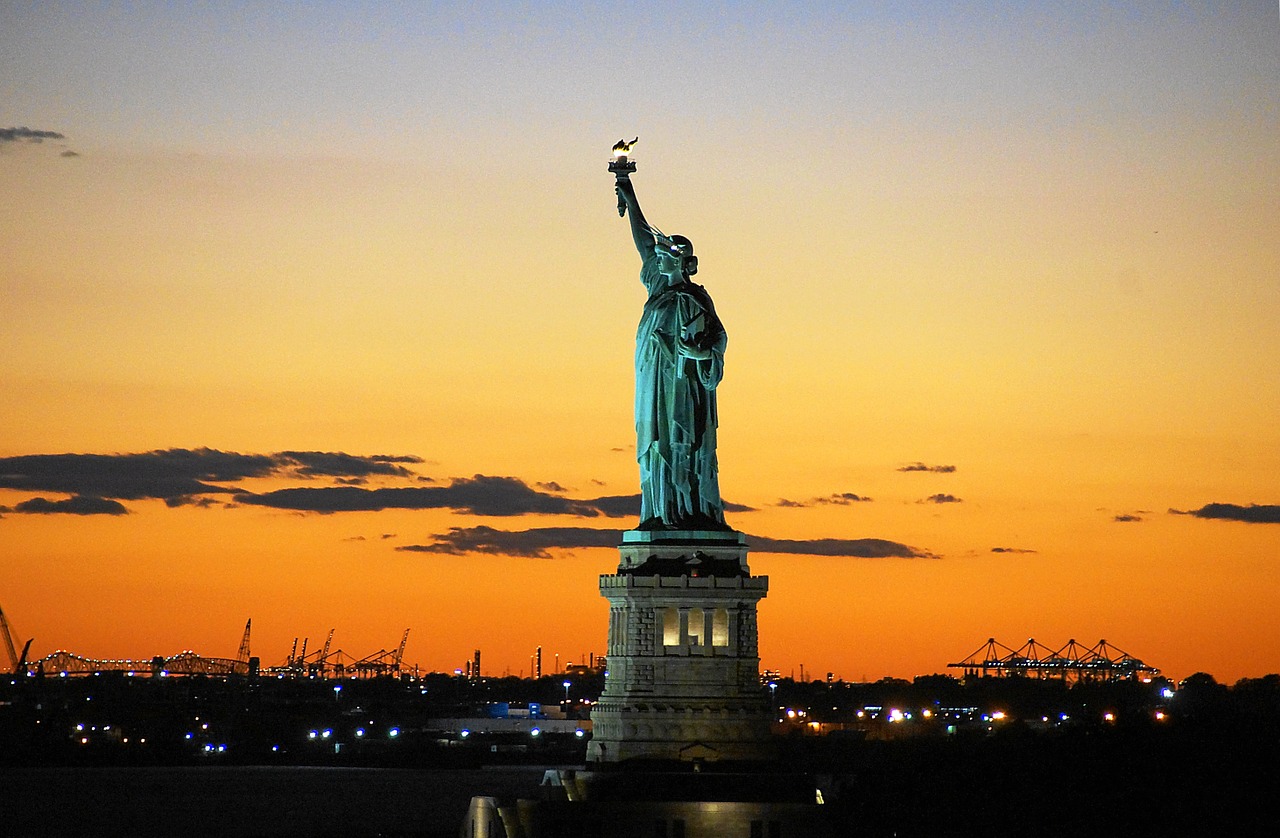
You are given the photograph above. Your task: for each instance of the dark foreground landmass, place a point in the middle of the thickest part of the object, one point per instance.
(1073, 785)
(988, 758)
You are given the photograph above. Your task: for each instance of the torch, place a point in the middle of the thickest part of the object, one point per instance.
(622, 167)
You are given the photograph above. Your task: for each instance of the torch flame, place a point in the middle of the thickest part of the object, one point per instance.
(623, 148)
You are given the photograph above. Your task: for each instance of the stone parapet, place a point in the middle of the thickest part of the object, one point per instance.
(612, 580)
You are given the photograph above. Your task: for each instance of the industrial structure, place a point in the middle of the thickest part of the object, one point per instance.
(1073, 662)
(319, 664)
(324, 663)
(16, 661)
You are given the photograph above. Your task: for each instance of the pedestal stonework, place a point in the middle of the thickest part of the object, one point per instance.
(684, 666)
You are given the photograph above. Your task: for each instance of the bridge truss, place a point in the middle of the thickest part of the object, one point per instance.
(63, 663)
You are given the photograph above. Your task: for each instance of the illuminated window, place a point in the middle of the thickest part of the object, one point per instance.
(697, 628)
(720, 628)
(670, 627)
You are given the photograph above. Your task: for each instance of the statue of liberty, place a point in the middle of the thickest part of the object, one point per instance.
(679, 361)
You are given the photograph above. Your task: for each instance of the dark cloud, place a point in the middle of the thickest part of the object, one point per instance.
(617, 506)
(552, 487)
(843, 499)
(538, 543)
(1254, 513)
(77, 505)
(190, 500)
(69, 153)
(30, 135)
(940, 498)
(387, 535)
(1127, 519)
(1012, 550)
(173, 473)
(338, 464)
(923, 467)
(177, 475)
(837, 499)
(858, 548)
(479, 495)
(533, 543)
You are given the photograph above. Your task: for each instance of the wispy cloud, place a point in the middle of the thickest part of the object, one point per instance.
(940, 498)
(855, 548)
(34, 136)
(30, 135)
(532, 543)
(928, 468)
(1254, 513)
(1126, 518)
(478, 495)
(77, 505)
(338, 464)
(540, 542)
(179, 475)
(836, 499)
(1011, 550)
(199, 477)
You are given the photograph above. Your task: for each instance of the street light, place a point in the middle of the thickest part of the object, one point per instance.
(566, 686)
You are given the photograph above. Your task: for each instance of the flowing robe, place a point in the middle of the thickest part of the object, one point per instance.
(676, 406)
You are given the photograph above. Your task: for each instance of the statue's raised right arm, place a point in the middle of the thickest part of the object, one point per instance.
(641, 232)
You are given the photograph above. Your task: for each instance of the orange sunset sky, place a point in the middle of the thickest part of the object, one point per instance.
(1001, 283)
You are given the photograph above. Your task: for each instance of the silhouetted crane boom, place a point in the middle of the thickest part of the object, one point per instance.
(400, 651)
(8, 642)
(243, 654)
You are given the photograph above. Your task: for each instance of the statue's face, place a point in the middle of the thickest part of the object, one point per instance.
(669, 262)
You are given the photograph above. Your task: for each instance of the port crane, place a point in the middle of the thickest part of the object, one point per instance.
(18, 662)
